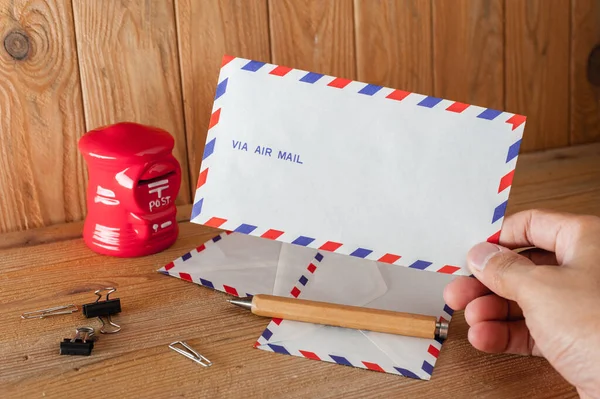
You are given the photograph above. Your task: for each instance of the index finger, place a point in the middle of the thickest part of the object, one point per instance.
(548, 230)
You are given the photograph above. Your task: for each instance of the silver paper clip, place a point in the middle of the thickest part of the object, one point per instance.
(190, 353)
(55, 311)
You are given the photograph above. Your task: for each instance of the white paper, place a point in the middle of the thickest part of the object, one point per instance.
(377, 175)
(357, 282)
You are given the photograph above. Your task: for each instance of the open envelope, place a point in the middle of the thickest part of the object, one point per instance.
(243, 265)
(358, 282)
(325, 163)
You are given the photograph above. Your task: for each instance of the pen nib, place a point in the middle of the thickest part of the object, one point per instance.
(245, 303)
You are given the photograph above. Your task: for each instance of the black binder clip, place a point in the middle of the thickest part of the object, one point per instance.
(104, 309)
(80, 345)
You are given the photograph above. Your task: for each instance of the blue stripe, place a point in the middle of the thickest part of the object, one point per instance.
(420, 264)
(428, 368)
(303, 280)
(186, 256)
(489, 114)
(499, 211)
(439, 340)
(197, 208)
(369, 90)
(209, 148)
(429, 102)
(279, 349)
(267, 334)
(340, 360)
(302, 240)
(513, 151)
(407, 373)
(253, 66)
(249, 295)
(448, 310)
(165, 273)
(221, 88)
(245, 228)
(361, 252)
(319, 257)
(207, 283)
(217, 238)
(311, 77)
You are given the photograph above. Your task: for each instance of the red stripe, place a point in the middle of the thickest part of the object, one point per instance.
(494, 238)
(506, 181)
(230, 290)
(330, 246)
(170, 266)
(516, 121)
(226, 60)
(447, 269)
(457, 107)
(214, 118)
(215, 222)
(443, 320)
(272, 234)
(280, 71)
(434, 351)
(295, 292)
(256, 344)
(185, 276)
(340, 83)
(202, 178)
(277, 321)
(311, 268)
(398, 95)
(388, 258)
(310, 355)
(201, 248)
(373, 366)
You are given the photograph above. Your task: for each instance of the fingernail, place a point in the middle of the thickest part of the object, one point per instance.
(479, 255)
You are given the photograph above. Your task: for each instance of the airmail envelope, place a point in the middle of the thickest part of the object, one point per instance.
(350, 167)
(243, 265)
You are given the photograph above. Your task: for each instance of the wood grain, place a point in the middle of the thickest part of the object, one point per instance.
(537, 70)
(585, 97)
(61, 232)
(468, 63)
(314, 35)
(207, 31)
(129, 68)
(158, 310)
(42, 178)
(393, 44)
(355, 317)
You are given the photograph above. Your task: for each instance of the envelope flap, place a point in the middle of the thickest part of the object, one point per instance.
(321, 162)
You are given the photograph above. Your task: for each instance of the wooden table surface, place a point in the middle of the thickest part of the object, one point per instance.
(47, 267)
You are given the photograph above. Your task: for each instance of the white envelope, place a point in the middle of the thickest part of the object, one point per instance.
(355, 168)
(243, 265)
(358, 282)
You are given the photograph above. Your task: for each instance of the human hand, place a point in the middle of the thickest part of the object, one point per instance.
(543, 302)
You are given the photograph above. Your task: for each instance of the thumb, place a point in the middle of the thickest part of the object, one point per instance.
(500, 269)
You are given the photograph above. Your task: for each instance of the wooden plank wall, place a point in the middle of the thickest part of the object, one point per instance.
(69, 66)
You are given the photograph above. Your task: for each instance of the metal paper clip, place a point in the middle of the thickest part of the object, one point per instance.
(104, 309)
(55, 311)
(81, 344)
(190, 353)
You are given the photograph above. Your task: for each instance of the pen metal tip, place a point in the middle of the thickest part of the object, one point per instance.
(245, 303)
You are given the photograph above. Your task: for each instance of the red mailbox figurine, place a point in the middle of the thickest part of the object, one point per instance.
(133, 182)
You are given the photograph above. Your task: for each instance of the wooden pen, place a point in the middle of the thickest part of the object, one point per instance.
(384, 321)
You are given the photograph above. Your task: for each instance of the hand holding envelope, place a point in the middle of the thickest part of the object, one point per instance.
(346, 192)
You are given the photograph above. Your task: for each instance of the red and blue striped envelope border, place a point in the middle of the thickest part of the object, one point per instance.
(429, 358)
(514, 122)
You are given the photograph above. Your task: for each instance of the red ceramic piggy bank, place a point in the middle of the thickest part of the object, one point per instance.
(133, 182)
